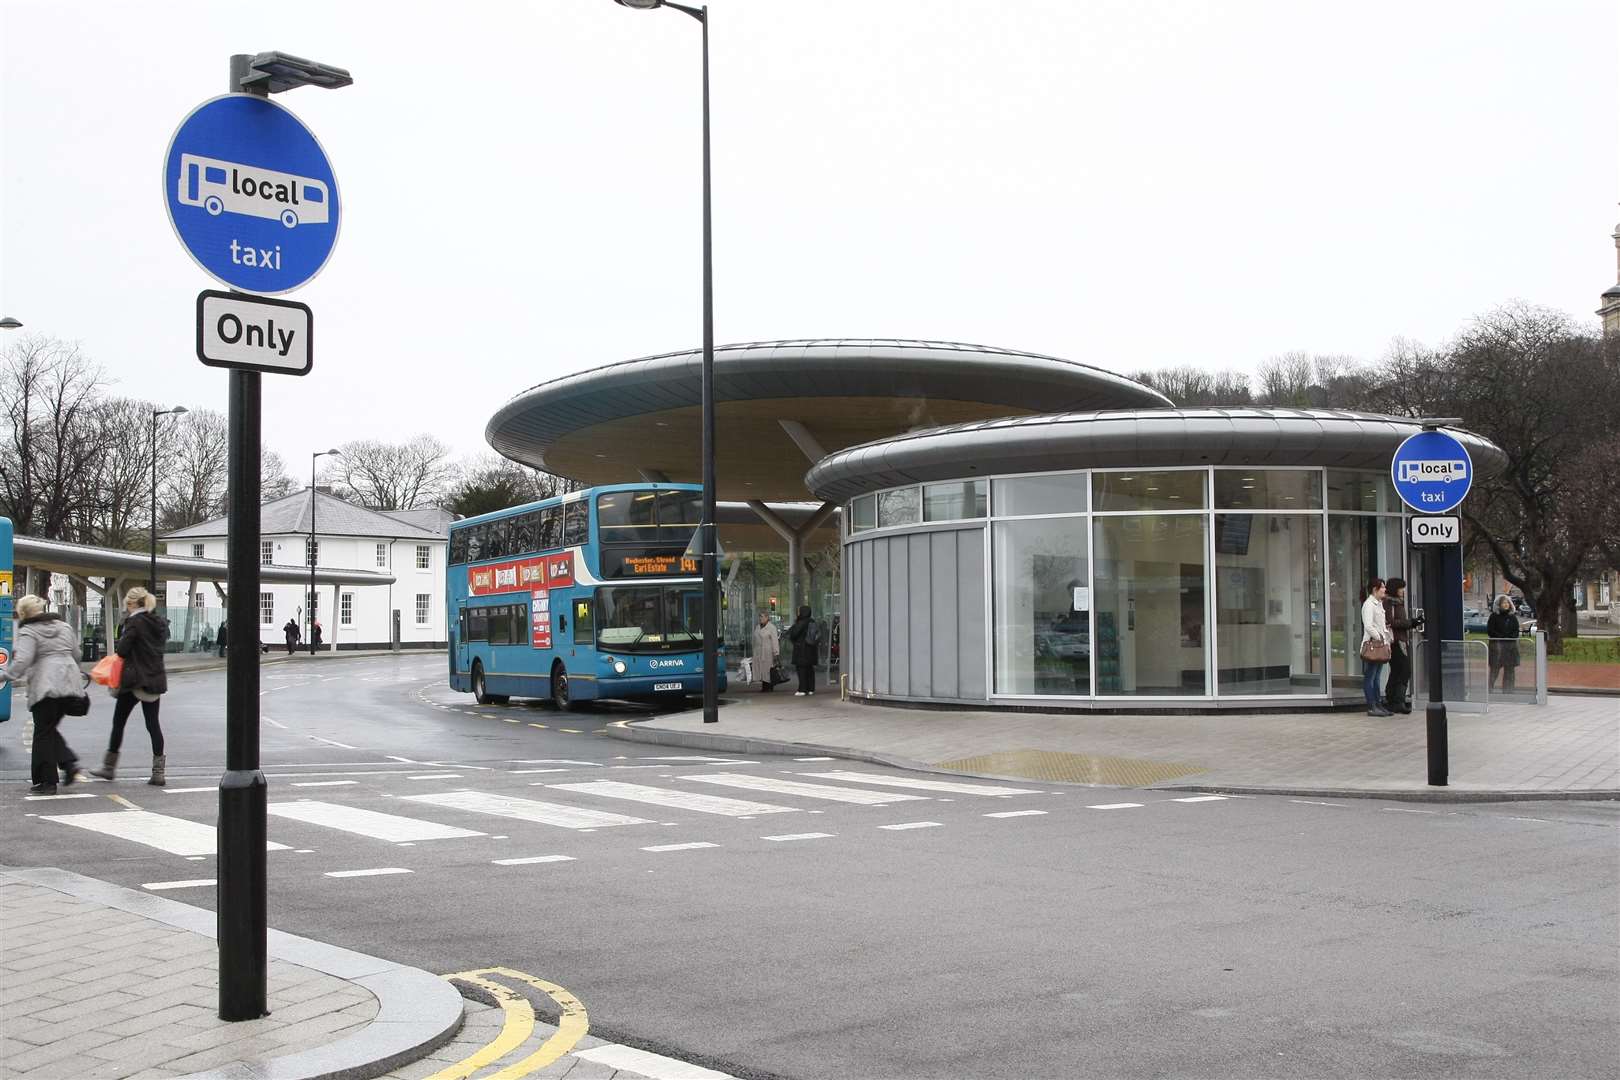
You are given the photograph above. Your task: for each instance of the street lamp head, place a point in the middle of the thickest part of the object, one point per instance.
(179, 410)
(640, 5)
(334, 452)
(8, 323)
(278, 71)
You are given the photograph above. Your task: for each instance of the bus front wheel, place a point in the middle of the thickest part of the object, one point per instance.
(561, 695)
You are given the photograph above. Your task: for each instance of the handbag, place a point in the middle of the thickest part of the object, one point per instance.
(76, 706)
(778, 676)
(1375, 652)
(109, 671)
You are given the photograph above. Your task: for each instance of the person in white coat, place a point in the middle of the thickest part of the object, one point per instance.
(767, 644)
(45, 656)
(1376, 640)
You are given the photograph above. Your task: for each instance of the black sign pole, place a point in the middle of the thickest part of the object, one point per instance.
(242, 888)
(1435, 714)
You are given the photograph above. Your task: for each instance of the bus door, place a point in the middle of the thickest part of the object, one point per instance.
(458, 630)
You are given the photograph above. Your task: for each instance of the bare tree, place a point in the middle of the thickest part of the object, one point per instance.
(49, 397)
(194, 462)
(393, 476)
(275, 482)
(1190, 386)
(123, 477)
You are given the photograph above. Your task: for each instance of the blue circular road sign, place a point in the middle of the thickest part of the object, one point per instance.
(1432, 472)
(251, 194)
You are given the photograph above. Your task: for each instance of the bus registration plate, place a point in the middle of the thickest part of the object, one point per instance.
(666, 686)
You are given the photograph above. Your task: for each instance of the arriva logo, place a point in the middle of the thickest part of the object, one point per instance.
(666, 663)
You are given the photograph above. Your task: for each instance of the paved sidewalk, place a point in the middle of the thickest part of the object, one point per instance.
(1568, 749)
(98, 981)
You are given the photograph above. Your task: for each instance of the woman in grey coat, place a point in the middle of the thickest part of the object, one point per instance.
(45, 657)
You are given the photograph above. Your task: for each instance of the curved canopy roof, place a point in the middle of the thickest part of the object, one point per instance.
(642, 417)
(1145, 438)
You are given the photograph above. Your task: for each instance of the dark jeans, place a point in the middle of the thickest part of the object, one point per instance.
(807, 678)
(121, 710)
(1508, 672)
(1400, 677)
(51, 751)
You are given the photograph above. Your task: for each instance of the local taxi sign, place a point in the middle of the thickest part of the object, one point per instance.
(251, 194)
(254, 333)
(1432, 472)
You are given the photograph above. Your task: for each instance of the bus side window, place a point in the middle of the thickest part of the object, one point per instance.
(576, 523)
(475, 543)
(550, 538)
(584, 633)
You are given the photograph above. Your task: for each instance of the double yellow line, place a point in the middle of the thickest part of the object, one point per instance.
(571, 1027)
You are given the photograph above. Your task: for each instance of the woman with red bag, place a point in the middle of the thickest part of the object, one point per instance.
(143, 679)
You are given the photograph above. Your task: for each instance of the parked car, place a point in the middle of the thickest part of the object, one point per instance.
(1474, 621)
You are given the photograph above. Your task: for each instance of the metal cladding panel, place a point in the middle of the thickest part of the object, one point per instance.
(920, 616)
(868, 679)
(944, 613)
(899, 631)
(972, 624)
(881, 681)
(1126, 439)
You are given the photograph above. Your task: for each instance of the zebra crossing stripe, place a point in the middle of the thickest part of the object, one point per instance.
(378, 826)
(800, 788)
(544, 813)
(175, 835)
(682, 800)
(921, 785)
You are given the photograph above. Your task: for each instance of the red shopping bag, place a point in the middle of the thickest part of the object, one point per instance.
(109, 670)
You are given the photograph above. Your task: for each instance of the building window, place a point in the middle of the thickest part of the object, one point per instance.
(346, 610)
(424, 557)
(424, 603)
(267, 552)
(1148, 600)
(312, 552)
(1057, 493)
(314, 605)
(267, 609)
(198, 600)
(196, 551)
(949, 502)
(1042, 607)
(382, 554)
(1141, 490)
(1268, 602)
(863, 513)
(903, 506)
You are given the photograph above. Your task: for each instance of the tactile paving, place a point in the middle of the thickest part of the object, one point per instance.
(1072, 768)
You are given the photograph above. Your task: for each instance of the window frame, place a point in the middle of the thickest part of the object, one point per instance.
(424, 612)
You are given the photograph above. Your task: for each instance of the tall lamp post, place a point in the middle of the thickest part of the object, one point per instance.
(711, 576)
(310, 607)
(151, 584)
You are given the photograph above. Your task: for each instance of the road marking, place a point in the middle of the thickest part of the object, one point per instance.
(642, 1063)
(378, 872)
(519, 1025)
(274, 723)
(361, 822)
(533, 859)
(680, 847)
(682, 800)
(571, 730)
(544, 813)
(175, 835)
(1202, 798)
(187, 790)
(48, 798)
(686, 757)
(799, 787)
(322, 783)
(530, 772)
(572, 1024)
(332, 742)
(921, 785)
(814, 759)
(800, 836)
(1017, 813)
(912, 825)
(194, 883)
(533, 724)
(551, 761)
(511, 720)
(436, 776)
(121, 801)
(1405, 810)
(1314, 802)
(1114, 806)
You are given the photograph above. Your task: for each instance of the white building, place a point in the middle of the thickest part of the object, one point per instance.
(410, 544)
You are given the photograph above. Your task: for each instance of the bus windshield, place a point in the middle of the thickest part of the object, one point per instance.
(649, 618)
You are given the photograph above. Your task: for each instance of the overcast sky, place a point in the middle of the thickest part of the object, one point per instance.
(1129, 183)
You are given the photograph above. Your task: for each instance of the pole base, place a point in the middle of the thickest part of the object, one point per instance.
(1439, 757)
(243, 966)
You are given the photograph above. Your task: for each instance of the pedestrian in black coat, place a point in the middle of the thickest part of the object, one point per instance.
(221, 642)
(806, 638)
(1502, 650)
(145, 680)
(290, 632)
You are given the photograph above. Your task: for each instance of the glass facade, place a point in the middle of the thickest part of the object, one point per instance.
(1189, 583)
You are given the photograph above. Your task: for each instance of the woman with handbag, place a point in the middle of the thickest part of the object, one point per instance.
(45, 655)
(142, 679)
(766, 645)
(1376, 639)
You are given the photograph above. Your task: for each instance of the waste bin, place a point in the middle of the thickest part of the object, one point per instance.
(92, 650)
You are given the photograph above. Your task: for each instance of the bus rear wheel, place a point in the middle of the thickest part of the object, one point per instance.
(561, 694)
(480, 693)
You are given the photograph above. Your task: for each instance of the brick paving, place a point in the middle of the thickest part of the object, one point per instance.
(88, 991)
(1567, 748)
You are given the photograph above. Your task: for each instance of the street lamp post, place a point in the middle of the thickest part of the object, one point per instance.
(310, 607)
(711, 575)
(151, 584)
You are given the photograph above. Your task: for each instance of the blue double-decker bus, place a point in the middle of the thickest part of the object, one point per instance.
(594, 594)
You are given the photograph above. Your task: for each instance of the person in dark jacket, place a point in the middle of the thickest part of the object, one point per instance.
(806, 640)
(1401, 624)
(290, 632)
(46, 658)
(1502, 651)
(223, 639)
(145, 681)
